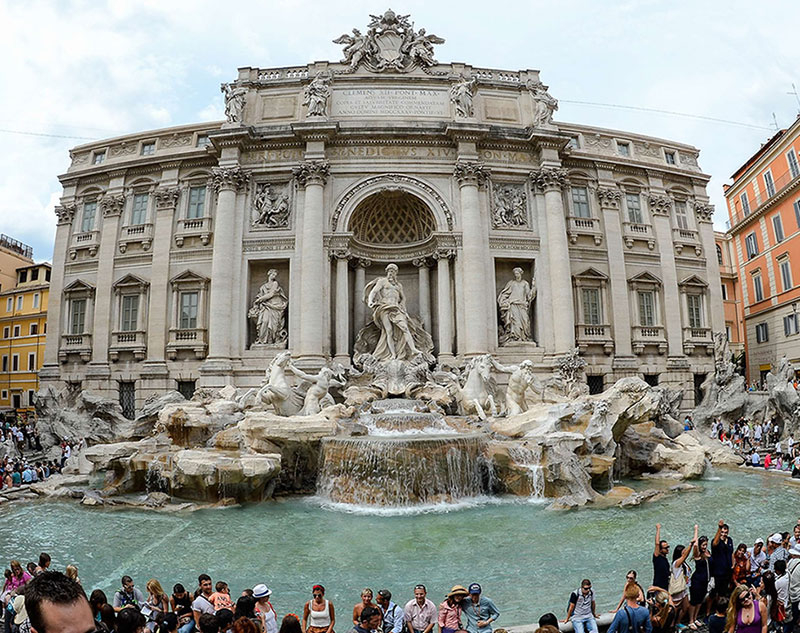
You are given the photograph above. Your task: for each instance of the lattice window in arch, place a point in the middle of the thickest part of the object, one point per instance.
(392, 217)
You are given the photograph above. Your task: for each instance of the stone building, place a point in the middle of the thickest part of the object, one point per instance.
(189, 256)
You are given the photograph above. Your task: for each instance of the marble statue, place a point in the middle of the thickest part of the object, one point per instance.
(275, 390)
(356, 47)
(515, 308)
(544, 104)
(509, 206)
(317, 396)
(271, 207)
(234, 102)
(421, 48)
(461, 94)
(522, 377)
(317, 93)
(269, 311)
(570, 369)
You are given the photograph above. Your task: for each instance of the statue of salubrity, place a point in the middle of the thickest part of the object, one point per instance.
(515, 301)
(269, 311)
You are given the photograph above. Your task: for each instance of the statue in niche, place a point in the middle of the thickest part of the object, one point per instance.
(317, 396)
(234, 102)
(269, 311)
(515, 308)
(316, 95)
(461, 94)
(544, 104)
(393, 333)
(271, 207)
(510, 206)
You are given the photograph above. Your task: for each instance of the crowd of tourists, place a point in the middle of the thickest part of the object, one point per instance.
(751, 439)
(707, 582)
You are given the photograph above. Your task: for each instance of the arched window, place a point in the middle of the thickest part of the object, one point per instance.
(392, 217)
(719, 255)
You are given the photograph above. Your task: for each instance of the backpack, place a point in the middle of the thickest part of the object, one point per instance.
(631, 620)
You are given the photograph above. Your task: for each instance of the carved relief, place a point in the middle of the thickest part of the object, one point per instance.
(65, 213)
(704, 212)
(80, 159)
(509, 206)
(659, 205)
(312, 172)
(112, 205)
(609, 197)
(549, 178)
(647, 149)
(271, 206)
(167, 197)
(316, 95)
(123, 149)
(461, 94)
(234, 102)
(229, 178)
(176, 140)
(544, 103)
(470, 172)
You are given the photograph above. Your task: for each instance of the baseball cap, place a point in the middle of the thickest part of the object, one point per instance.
(776, 538)
(759, 541)
(474, 588)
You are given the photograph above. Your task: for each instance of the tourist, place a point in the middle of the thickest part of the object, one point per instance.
(758, 557)
(224, 619)
(630, 579)
(741, 565)
(793, 573)
(71, 572)
(450, 610)
(722, 559)
(44, 563)
(660, 562)
(582, 609)
(169, 623)
(181, 603)
(128, 595)
(768, 461)
(208, 623)
(130, 620)
(243, 624)
(420, 614)
(246, 609)
(633, 617)
(755, 459)
(369, 622)
(19, 577)
(201, 605)
(319, 616)
(221, 598)
(782, 591)
(662, 611)
(775, 550)
(156, 605)
(289, 624)
(716, 621)
(479, 611)
(698, 583)
(366, 601)
(769, 596)
(108, 619)
(391, 612)
(679, 577)
(549, 619)
(745, 614)
(96, 600)
(264, 609)
(795, 538)
(55, 604)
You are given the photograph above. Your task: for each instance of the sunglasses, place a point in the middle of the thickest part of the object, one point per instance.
(630, 577)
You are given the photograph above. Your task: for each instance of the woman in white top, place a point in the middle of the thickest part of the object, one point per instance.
(679, 580)
(264, 609)
(318, 615)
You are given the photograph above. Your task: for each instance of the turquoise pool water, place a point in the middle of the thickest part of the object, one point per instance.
(526, 557)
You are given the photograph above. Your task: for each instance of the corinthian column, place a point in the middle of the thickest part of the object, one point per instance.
(342, 307)
(704, 214)
(445, 303)
(312, 175)
(424, 292)
(166, 199)
(472, 175)
(227, 182)
(112, 207)
(551, 181)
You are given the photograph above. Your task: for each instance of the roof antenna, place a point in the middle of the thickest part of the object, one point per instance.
(775, 122)
(796, 96)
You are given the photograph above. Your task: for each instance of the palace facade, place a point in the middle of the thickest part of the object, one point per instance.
(190, 256)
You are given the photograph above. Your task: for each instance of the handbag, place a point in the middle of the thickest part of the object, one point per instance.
(677, 584)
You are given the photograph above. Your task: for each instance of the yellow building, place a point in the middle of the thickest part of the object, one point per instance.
(23, 326)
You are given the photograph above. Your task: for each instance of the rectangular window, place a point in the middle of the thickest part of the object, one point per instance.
(724, 292)
(4, 394)
(6, 331)
(31, 397)
(669, 157)
(98, 158)
(19, 303)
(15, 362)
(35, 299)
(762, 333)
(77, 316)
(681, 217)
(5, 364)
(188, 313)
(591, 306)
(794, 168)
(647, 312)
(777, 225)
(769, 183)
(634, 205)
(34, 274)
(796, 206)
(197, 202)
(573, 143)
(745, 203)
(127, 398)
(23, 276)
(786, 273)
(751, 245)
(130, 312)
(203, 140)
(34, 329)
(139, 210)
(17, 331)
(186, 388)
(727, 332)
(623, 149)
(790, 324)
(10, 304)
(580, 202)
(695, 305)
(32, 361)
(87, 219)
(148, 149)
(758, 288)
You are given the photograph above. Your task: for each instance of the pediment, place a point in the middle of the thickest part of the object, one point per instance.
(694, 281)
(645, 278)
(79, 285)
(131, 281)
(591, 274)
(189, 277)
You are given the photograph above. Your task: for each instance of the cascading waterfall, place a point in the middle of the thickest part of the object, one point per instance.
(155, 479)
(531, 460)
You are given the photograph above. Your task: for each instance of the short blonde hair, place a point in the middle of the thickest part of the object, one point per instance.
(71, 572)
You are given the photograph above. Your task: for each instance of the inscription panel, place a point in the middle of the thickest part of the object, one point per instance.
(400, 102)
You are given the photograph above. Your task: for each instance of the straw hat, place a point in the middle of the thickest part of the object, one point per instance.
(458, 590)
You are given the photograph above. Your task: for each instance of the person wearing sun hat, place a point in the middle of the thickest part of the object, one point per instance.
(264, 609)
(479, 611)
(450, 610)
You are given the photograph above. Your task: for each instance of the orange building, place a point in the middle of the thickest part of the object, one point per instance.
(764, 209)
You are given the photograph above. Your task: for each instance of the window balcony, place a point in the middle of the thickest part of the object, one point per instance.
(636, 231)
(193, 227)
(136, 234)
(684, 238)
(88, 240)
(133, 342)
(584, 226)
(189, 340)
(697, 337)
(648, 335)
(80, 344)
(588, 334)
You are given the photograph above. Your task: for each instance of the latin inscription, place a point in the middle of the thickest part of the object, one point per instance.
(391, 151)
(401, 102)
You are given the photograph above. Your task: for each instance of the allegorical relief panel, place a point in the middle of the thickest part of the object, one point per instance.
(271, 206)
(509, 206)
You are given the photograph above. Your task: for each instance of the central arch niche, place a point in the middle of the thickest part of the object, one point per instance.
(391, 218)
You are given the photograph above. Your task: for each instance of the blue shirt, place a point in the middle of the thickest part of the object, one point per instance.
(27, 476)
(639, 621)
(483, 610)
(392, 621)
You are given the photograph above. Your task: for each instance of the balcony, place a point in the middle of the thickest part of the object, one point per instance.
(588, 334)
(138, 233)
(80, 344)
(584, 226)
(89, 240)
(636, 231)
(648, 335)
(193, 227)
(133, 342)
(697, 337)
(685, 238)
(189, 340)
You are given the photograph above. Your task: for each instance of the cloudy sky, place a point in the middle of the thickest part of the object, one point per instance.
(77, 71)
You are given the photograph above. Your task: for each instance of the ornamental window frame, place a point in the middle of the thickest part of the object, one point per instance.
(78, 290)
(751, 245)
(192, 181)
(593, 280)
(580, 180)
(769, 183)
(130, 286)
(697, 288)
(623, 148)
(785, 268)
(140, 187)
(758, 285)
(646, 282)
(147, 147)
(777, 228)
(189, 281)
(791, 161)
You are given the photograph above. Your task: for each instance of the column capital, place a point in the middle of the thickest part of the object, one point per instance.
(167, 198)
(112, 205)
(659, 205)
(232, 178)
(420, 262)
(65, 213)
(470, 172)
(704, 212)
(312, 172)
(362, 262)
(444, 253)
(609, 197)
(549, 178)
(339, 253)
